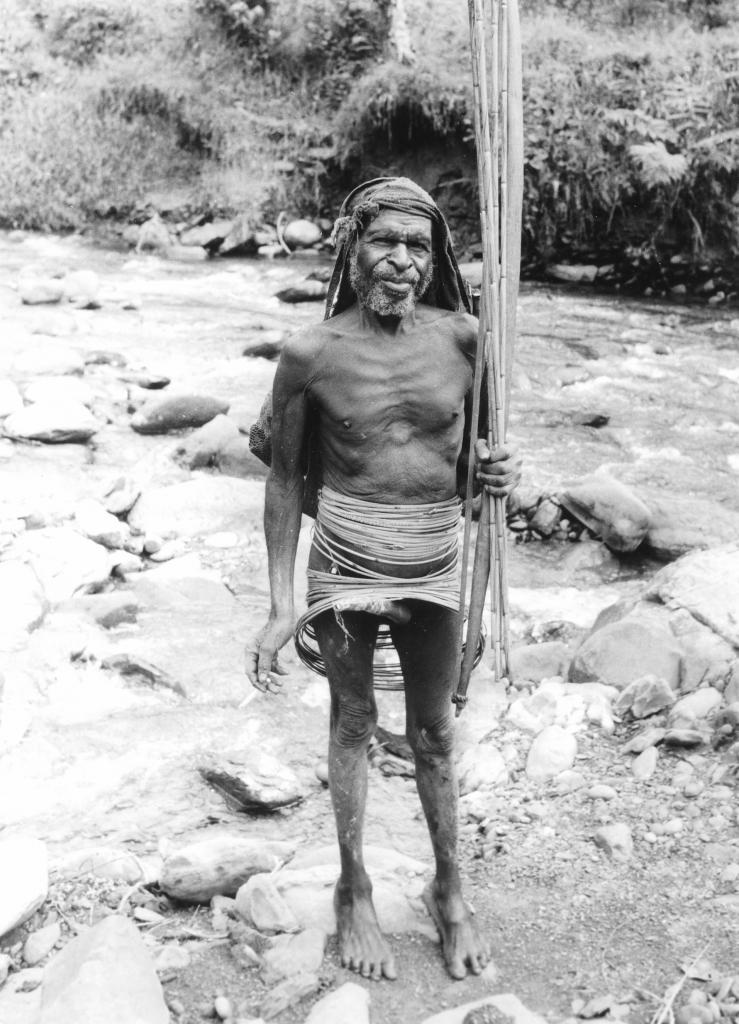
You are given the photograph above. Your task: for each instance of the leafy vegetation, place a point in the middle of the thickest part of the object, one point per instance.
(631, 145)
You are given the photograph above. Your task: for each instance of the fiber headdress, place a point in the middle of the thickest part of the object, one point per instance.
(447, 289)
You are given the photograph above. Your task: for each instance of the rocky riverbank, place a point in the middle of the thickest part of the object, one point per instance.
(172, 825)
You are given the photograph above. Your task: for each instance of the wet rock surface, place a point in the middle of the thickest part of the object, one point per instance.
(122, 670)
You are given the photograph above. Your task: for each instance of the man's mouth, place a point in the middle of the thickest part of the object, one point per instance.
(399, 287)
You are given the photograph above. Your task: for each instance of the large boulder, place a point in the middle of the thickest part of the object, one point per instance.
(706, 584)
(205, 504)
(610, 509)
(53, 422)
(622, 651)
(65, 562)
(104, 974)
(210, 236)
(25, 881)
(23, 603)
(683, 523)
(307, 885)
(176, 412)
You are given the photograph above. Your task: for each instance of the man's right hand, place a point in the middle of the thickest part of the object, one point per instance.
(262, 666)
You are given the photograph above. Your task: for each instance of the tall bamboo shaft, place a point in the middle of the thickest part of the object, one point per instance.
(495, 46)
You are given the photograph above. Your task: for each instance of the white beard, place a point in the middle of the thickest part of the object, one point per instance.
(372, 295)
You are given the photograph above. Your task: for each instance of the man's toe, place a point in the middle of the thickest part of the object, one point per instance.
(476, 964)
(388, 969)
(457, 969)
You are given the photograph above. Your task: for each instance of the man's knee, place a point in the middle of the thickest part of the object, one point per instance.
(353, 721)
(433, 740)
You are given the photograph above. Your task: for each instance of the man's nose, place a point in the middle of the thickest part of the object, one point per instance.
(399, 256)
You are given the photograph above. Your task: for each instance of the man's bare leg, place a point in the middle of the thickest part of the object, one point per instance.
(348, 656)
(427, 650)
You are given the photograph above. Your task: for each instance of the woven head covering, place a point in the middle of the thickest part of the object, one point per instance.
(447, 289)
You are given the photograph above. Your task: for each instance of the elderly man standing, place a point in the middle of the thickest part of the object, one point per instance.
(377, 397)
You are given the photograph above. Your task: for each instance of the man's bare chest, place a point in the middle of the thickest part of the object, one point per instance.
(365, 391)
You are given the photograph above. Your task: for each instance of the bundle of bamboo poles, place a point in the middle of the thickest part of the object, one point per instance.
(496, 78)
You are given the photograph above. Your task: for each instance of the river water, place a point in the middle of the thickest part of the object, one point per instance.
(664, 381)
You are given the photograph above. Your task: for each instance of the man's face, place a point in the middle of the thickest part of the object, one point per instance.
(392, 264)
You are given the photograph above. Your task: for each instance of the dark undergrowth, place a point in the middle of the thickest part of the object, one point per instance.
(213, 107)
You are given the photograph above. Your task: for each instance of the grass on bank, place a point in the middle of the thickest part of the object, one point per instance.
(631, 139)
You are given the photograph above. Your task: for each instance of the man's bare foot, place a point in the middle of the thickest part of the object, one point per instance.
(361, 945)
(463, 949)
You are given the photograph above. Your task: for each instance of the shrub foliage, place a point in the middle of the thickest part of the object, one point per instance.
(631, 110)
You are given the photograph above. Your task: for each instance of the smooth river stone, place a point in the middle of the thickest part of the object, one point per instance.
(52, 422)
(177, 412)
(610, 509)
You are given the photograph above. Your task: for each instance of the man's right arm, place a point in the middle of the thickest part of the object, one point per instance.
(283, 507)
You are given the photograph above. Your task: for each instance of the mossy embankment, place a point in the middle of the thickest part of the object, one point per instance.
(213, 107)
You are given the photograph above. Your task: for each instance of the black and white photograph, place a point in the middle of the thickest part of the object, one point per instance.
(369, 511)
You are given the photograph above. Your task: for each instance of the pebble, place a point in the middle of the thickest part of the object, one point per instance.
(646, 696)
(349, 1002)
(288, 993)
(695, 705)
(294, 954)
(40, 943)
(40, 291)
(718, 822)
(171, 957)
(730, 874)
(693, 788)
(722, 793)
(222, 1006)
(684, 738)
(673, 826)
(552, 752)
(601, 792)
(568, 781)
(616, 840)
(643, 766)
(29, 979)
(259, 903)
